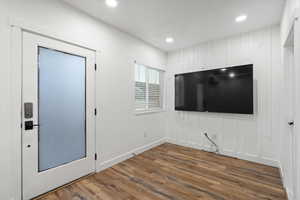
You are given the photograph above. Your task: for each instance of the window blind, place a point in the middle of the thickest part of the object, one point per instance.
(148, 88)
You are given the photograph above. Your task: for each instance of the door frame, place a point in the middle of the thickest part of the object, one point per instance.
(289, 99)
(297, 103)
(17, 28)
(294, 30)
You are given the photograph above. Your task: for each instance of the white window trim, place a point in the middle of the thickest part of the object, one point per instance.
(161, 83)
(151, 111)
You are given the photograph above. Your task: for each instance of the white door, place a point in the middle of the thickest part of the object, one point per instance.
(58, 114)
(296, 131)
(289, 136)
(291, 106)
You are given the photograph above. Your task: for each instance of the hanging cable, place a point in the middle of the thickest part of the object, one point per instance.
(216, 146)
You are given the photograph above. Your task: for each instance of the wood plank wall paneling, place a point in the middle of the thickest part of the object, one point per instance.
(254, 138)
(171, 172)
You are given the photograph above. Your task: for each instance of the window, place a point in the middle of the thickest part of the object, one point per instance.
(148, 88)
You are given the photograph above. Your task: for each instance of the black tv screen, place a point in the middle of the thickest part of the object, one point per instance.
(226, 90)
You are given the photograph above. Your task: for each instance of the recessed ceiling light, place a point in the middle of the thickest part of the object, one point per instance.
(112, 3)
(169, 40)
(223, 70)
(241, 18)
(232, 75)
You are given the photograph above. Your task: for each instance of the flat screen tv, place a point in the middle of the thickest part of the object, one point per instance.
(226, 90)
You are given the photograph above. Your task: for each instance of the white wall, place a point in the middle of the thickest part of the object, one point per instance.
(287, 17)
(118, 130)
(290, 140)
(249, 137)
(5, 163)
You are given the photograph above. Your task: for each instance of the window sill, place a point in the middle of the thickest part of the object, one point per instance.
(146, 112)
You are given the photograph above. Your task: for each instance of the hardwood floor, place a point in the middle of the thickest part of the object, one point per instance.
(171, 172)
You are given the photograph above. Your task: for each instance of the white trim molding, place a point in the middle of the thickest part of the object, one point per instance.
(128, 155)
(291, 23)
(25, 26)
(248, 157)
(289, 193)
(107, 164)
(16, 106)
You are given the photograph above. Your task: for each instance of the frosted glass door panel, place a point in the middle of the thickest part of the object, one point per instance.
(62, 132)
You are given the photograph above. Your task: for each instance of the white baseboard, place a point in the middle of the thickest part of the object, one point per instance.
(248, 157)
(130, 154)
(288, 191)
(106, 164)
(257, 159)
(289, 194)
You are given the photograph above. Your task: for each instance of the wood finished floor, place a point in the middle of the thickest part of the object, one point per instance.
(171, 172)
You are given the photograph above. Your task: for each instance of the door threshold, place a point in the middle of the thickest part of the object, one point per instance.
(63, 186)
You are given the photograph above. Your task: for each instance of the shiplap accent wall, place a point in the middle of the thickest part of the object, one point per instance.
(255, 137)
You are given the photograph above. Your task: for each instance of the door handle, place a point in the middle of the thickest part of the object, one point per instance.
(291, 123)
(29, 125)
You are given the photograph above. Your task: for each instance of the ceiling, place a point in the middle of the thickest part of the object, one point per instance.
(188, 21)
